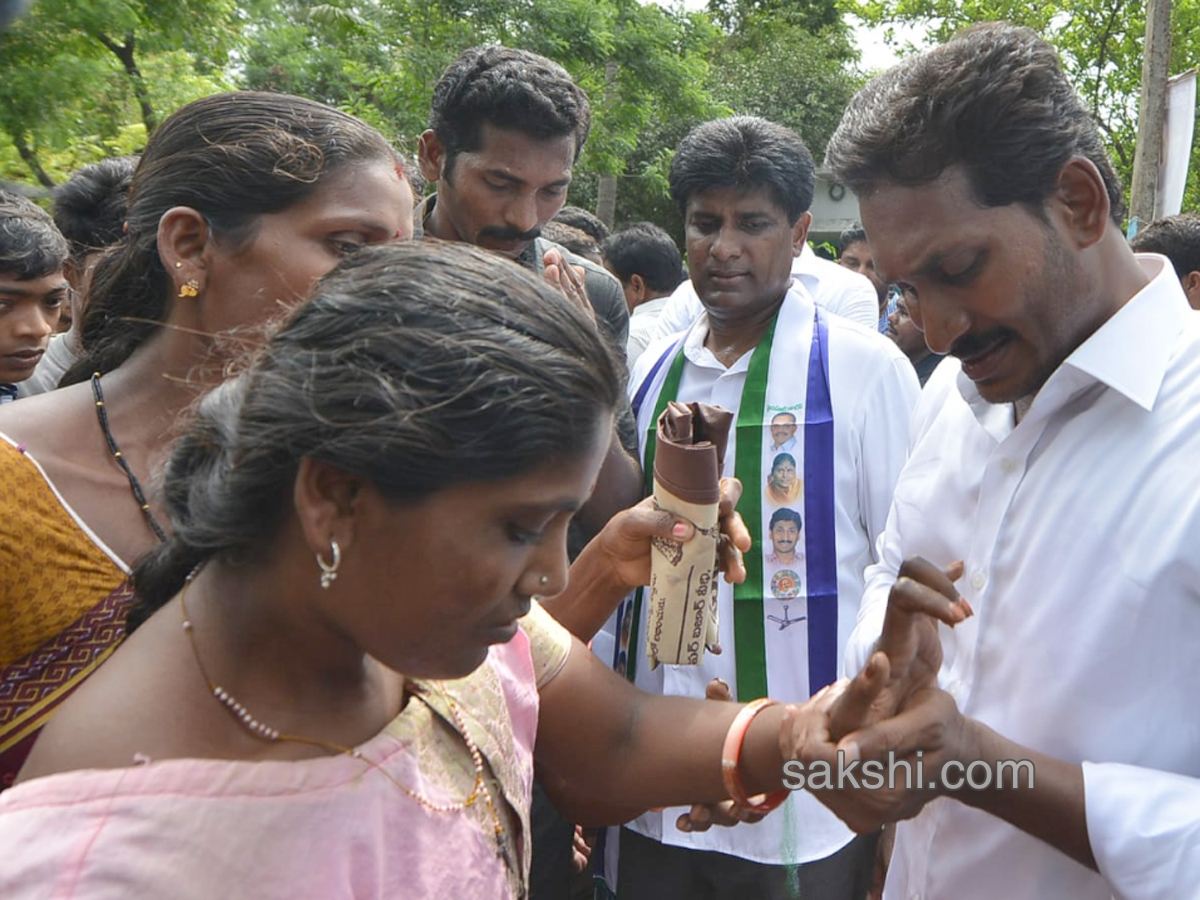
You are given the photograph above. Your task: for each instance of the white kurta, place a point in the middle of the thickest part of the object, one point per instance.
(1079, 530)
(872, 391)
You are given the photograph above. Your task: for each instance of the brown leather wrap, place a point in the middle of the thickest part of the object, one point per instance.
(691, 450)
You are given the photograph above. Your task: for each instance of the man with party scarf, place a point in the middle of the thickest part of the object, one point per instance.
(763, 347)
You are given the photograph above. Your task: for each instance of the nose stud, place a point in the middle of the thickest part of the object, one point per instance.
(544, 580)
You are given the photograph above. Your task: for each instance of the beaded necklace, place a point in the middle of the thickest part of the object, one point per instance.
(265, 732)
(115, 450)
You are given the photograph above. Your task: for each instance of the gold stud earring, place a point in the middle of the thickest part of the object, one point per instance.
(178, 264)
(190, 288)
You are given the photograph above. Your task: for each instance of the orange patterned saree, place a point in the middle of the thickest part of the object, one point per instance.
(63, 601)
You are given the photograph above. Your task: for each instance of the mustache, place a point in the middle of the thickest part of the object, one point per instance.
(509, 234)
(970, 345)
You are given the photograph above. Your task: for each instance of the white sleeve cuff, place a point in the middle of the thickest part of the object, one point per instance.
(1144, 828)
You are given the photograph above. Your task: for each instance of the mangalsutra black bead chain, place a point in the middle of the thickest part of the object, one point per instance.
(134, 484)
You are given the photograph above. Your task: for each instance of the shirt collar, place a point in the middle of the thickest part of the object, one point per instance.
(802, 268)
(649, 307)
(698, 354)
(1129, 353)
(420, 213)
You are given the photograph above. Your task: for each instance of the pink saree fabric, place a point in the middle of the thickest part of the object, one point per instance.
(327, 828)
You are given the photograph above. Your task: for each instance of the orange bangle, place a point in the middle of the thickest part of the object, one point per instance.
(731, 760)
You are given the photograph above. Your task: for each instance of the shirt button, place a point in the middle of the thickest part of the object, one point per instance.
(1008, 466)
(954, 689)
(978, 580)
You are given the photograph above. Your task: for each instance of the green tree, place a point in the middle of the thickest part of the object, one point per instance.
(380, 60)
(1100, 42)
(789, 75)
(77, 75)
(812, 15)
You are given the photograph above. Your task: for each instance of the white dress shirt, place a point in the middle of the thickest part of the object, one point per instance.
(872, 392)
(643, 327)
(1079, 531)
(835, 288)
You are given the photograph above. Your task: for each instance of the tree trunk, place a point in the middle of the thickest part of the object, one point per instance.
(31, 160)
(1152, 111)
(124, 52)
(606, 199)
(606, 190)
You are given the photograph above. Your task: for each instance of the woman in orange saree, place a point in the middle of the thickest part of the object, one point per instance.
(240, 202)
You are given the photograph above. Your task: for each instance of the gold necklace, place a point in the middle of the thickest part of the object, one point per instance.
(265, 732)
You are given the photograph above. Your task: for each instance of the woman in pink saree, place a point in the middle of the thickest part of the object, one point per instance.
(342, 675)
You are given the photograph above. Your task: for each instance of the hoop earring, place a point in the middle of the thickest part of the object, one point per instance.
(190, 288)
(329, 570)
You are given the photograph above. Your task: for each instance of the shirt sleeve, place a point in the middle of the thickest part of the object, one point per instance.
(608, 301)
(887, 414)
(858, 303)
(679, 312)
(1144, 828)
(885, 417)
(889, 545)
(549, 643)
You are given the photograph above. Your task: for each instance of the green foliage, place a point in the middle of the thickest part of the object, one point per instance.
(788, 75)
(1100, 42)
(811, 15)
(78, 76)
(87, 79)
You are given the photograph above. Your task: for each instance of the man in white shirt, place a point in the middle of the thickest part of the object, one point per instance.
(761, 347)
(833, 287)
(857, 257)
(645, 259)
(1052, 473)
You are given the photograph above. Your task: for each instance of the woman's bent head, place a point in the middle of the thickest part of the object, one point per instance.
(438, 411)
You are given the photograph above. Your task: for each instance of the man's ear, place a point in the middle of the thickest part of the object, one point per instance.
(800, 233)
(1191, 287)
(431, 156)
(638, 284)
(327, 501)
(1081, 198)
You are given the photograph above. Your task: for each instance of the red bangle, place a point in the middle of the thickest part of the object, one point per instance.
(731, 760)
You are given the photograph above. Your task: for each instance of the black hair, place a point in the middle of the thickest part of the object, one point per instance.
(746, 153)
(580, 218)
(645, 249)
(784, 514)
(231, 157)
(506, 88)
(416, 365)
(89, 207)
(993, 100)
(578, 242)
(1175, 237)
(30, 245)
(852, 235)
(782, 458)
